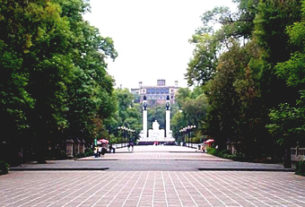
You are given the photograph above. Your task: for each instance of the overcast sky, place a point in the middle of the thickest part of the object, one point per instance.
(151, 37)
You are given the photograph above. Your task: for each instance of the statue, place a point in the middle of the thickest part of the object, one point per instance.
(144, 103)
(145, 106)
(167, 103)
(167, 106)
(156, 125)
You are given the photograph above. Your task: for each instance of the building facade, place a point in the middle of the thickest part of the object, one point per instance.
(156, 94)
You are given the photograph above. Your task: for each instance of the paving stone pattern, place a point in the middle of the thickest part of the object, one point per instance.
(153, 158)
(151, 188)
(151, 176)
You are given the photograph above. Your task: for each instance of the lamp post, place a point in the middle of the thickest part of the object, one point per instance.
(124, 138)
(127, 140)
(183, 132)
(120, 133)
(127, 135)
(190, 128)
(186, 134)
(181, 137)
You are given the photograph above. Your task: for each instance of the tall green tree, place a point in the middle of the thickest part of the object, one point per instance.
(55, 83)
(287, 120)
(128, 112)
(192, 110)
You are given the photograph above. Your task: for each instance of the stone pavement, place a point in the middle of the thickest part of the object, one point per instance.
(162, 176)
(151, 188)
(153, 158)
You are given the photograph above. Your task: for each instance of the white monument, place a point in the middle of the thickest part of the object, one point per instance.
(156, 134)
(167, 119)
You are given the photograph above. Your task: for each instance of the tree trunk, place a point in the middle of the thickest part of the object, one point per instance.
(287, 157)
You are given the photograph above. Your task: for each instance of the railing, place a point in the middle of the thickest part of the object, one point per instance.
(193, 145)
(297, 154)
(120, 145)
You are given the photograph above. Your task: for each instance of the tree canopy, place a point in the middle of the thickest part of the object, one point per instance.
(256, 53)
(54, 83)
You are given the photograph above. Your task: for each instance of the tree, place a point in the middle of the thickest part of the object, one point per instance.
(54, 64)
(128, 113)
(39, 45)
(156, 113)
(192, 109)
(210, 43)
(223, 99)
(287, 121)
(252, 59)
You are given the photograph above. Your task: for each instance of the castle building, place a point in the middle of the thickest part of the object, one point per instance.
(156, 94)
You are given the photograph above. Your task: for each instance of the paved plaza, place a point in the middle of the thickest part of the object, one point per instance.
(151, 187)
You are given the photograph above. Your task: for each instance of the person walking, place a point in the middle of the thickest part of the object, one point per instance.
(131, 144)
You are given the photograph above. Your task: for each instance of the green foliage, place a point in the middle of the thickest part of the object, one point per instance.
(270, 24)
(203, 64)
(211, 151)
(225, 154)
(54, 83)
(242, 66)
(195, 140)
(128, 114)
(178, 122)
(192, 110)
(287, 123)
(4, 167)
(209, 43)
(300, 168)
(292, 70)
(231, 94)
(156, 113)
(287, 120)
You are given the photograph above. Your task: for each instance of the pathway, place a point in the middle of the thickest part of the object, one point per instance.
(168, 185)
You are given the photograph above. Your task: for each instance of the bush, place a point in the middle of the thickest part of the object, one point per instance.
(3, 167)
(88, 152)
(225, 154)
(300, 168)
(195, 140)
(212, 151)
(80, 155)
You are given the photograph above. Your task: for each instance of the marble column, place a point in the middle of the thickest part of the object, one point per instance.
(145, 123)
(167, 118)
(167, 122)
(144, 117)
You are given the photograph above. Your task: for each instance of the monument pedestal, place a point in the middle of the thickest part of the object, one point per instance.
(155, 135)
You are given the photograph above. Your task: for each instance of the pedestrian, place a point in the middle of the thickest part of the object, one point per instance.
(99, 151)
(110, 148)
(131, 144)
(95, 151)
(103, 149)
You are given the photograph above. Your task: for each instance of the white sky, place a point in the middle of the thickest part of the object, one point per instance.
(151, 37)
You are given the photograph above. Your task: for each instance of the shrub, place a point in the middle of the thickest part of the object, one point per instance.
(195, 140)
(80, 155)
(225, 154)
(211, 150)
(300, 168)
(88, 152)
(3, 167)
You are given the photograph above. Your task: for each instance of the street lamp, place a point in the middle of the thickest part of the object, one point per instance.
(182, 131)
(190, 131)
(186, 134)
(127, 135)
